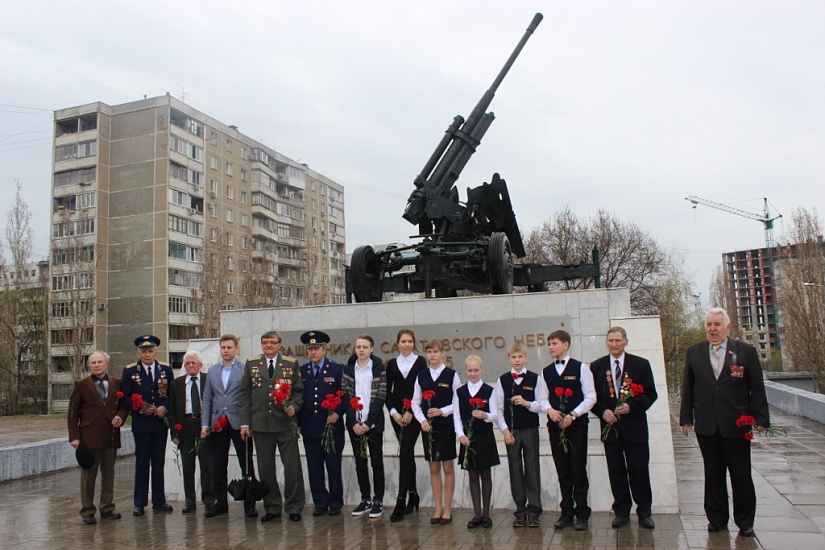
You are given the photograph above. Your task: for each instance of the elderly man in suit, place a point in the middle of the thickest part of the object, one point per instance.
(185, 400)
(626, 447)
(321, 377)
(723, 381)
(270, 424)
(149, 379)
(221, 399)
(96, 413)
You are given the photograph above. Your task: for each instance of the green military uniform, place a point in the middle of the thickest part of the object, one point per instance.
(272, 428)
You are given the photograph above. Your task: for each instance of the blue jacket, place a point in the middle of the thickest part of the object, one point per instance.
(219, 400)
(154, 392)
(313, 418)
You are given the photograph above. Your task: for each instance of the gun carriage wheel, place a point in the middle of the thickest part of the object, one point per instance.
(367, 285)
(500, 257)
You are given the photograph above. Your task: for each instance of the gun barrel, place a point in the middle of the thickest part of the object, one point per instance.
(530, 29)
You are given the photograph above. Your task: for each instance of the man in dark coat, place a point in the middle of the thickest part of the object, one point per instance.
(96, 413)
(626, 448)
(723, 381)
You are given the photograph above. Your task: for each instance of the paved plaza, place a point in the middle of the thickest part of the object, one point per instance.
(42, 512)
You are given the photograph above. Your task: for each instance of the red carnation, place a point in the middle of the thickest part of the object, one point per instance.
(476, 402)
(178, 427)
(119, 395)
(568, 392)
(426, 395)
(559, 392)
(407, 403)
(514, 375)
(339, 393)
(637, 389)
(749, 436)
(137, 401)
(356, 404)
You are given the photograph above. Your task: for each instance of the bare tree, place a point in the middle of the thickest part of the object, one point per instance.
(721, 295)
(73, 295)
(630, 257)
(23, 361)
(801, 296)
(216, 281)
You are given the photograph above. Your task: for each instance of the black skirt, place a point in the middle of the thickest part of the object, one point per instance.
(483, 452)
(442, 441)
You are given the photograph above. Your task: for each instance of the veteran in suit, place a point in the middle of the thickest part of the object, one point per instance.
(626, 447)
(723, 381)
(221, 398)
(185, 400)
(322, 377)
(271, 426)
(96, 413)
(150, 379)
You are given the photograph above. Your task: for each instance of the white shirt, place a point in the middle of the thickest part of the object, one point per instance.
(419, 414)
(405, 363)
(588, 387)
(539, 405)
(148, 368)
(473, 388)
(363, 386)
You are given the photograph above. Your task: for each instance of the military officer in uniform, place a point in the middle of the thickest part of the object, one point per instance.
(270, 424)
(150, 379)
(322, 377)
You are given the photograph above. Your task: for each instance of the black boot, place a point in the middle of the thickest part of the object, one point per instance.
(398, 511)
(412, 504)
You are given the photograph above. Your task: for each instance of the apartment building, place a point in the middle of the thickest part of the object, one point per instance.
(163, 216)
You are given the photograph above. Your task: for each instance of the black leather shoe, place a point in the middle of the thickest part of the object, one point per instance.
(747, 532)
(473, 523)
(89, 519)
(580, 525)
(295, 517)
(413, 503)
(319, 512)
(620, 521)
(111, 514)
(251, 513)
(715, 527)
(563, 522)
(188, 509)
(161, 508)
(138, 511)
(647, 523)
(269, 517)
(335, 511)
(486, 522)
(215, 511)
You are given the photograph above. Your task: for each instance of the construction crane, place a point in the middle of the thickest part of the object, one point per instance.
(764, 217)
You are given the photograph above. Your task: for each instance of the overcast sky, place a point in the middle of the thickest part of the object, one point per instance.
(626, 106)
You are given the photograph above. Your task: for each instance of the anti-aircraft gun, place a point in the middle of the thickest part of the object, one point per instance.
(466, 246)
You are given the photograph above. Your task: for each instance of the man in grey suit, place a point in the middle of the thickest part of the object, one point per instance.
(221, 398)
(271, 424)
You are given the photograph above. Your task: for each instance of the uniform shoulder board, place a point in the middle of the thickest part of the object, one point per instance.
(162, 364)
(290, 359)
(132, 366)
(253, 358)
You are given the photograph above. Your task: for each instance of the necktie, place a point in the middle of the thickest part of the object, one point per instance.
(271, 369)
(714, 361)
(149, 373)
(618, 380)
(559, 361)
(99, 386)
(195, 396)
(315, 371)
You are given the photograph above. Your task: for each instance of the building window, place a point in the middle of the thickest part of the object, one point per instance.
(213, 235)
(229, 169)
(178, 304)
(230, 287)
(178, 197)
(230, 263)
(213, 138)
(230, 192)
(229, 145)
(243, 174)
(244, 153)
(244, 242)
(243, 197)
(230, 215)
(213, 162)
(230, 239)
(244, 220)
(213, 210)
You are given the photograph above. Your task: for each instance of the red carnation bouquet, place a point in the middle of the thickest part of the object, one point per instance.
(749, 423)
(358, 407)
(281, 396)
(476, 403)
(563, 395)
(137, 402)
(220, 423)
(427, 395)
(627, 390)
(330, 403)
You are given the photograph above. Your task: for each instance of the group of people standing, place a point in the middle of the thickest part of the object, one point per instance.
(270, 402)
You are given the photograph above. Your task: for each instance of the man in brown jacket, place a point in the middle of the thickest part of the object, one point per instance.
(96, 413)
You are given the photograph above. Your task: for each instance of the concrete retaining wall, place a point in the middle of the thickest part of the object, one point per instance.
(795, 401)
(30, 459)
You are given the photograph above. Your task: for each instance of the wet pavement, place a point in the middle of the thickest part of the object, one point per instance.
(42, 512)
